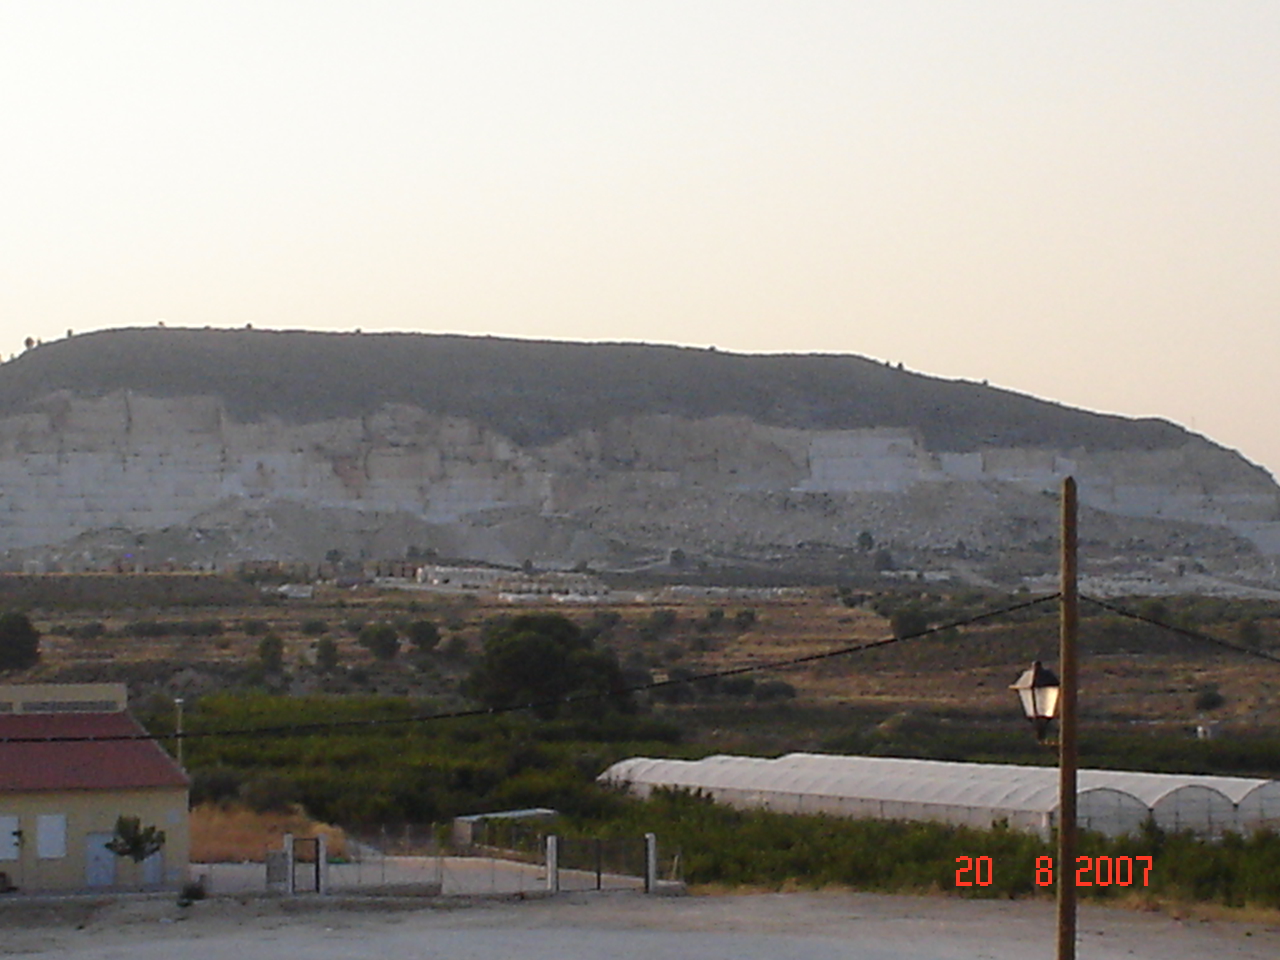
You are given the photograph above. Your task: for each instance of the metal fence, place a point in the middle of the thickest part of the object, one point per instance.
(502, 858)
(595, 864)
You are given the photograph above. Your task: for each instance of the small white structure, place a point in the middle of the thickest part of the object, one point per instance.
(1112, 802)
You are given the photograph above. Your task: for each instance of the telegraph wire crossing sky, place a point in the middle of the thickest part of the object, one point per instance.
(1078, 201)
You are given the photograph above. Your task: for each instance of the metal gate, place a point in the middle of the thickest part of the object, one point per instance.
(597, 864)
(306, 865)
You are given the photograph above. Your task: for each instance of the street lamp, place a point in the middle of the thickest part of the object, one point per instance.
(1038, 689)
(1043, 696)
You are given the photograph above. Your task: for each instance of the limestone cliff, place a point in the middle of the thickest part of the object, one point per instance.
(217, 446)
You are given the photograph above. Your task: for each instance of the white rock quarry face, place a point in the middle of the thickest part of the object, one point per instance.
(142, 463)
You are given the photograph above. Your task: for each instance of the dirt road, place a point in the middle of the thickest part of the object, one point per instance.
(621, 926)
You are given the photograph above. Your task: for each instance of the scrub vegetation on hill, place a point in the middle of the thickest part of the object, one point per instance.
(538, 391)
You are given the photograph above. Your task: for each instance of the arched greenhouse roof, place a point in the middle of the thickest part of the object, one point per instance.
(936, 789)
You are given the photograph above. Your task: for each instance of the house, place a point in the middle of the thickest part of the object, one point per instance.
(72, 761)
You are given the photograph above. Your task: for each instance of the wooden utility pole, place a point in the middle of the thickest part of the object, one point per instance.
(1068, 628)
(177, 706)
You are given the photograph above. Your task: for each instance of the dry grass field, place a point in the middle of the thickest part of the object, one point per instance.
(172, 650)
(233, 834)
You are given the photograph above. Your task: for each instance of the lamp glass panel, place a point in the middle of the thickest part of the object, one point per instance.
(1047, 701)
(1027, 696)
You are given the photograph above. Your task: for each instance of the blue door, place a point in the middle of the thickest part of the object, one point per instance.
(99, 862)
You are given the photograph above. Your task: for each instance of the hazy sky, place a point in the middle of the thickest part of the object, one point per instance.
(1077, 199)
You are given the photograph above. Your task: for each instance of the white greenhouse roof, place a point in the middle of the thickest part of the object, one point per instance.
(852, 783)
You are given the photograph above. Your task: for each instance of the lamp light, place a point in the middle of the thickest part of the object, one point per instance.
(1039, 690)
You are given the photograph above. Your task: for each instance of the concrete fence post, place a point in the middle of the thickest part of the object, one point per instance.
(553, 863)
(650, 862)
(290, 884)
(322, 864)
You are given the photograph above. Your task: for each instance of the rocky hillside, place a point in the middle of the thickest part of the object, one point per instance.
(215, 446)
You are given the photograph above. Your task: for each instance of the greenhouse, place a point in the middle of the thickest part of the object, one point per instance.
(1113, 802)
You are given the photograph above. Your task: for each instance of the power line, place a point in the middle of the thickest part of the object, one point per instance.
(1184, 631)
(305, 729)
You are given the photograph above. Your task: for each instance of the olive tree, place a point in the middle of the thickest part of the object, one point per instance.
(546, 662)
(19, 642)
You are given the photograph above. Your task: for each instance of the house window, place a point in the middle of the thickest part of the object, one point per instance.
(51, 836)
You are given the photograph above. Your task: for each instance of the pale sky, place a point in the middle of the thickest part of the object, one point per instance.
(1078, 199)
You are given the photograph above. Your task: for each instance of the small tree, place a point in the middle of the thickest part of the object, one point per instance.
(326, 655)
(424, 635)
(1209, 698)
(271, 653)
(381, 639)
(1249, 633)
(135, 841)
(540, 659)
(657, 624)
(19, 642)
(908, 622)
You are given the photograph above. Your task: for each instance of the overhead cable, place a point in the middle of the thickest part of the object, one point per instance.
(1184, 631)
(306, 729)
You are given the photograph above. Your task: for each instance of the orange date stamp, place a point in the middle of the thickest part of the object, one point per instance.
(1090, 871)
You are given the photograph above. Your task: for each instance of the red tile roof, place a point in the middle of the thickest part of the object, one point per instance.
(82, 765)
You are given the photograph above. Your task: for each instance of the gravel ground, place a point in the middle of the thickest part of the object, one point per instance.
(611, 926)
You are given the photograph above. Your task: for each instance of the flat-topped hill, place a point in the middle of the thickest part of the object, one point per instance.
(538, 391)
(209, 447)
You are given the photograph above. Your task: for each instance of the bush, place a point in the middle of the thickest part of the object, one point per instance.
(737, 686)
(908, 622)
(254, 628)
(148, 629)
(313, 628)
(1249, 633)
(1209, 699)
(601, 624)
(714, 620)
(271, 653)
(424, 635)
(88, 631)
(19, 642)
(135, 841)
(326, 655)
(456, 647)
(774, 690)
(657, 624)
(380, 639)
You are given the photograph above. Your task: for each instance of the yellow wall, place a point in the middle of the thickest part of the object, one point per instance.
(89, 812)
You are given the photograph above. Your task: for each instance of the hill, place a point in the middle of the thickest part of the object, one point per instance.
(211, 447)
(536, 392)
